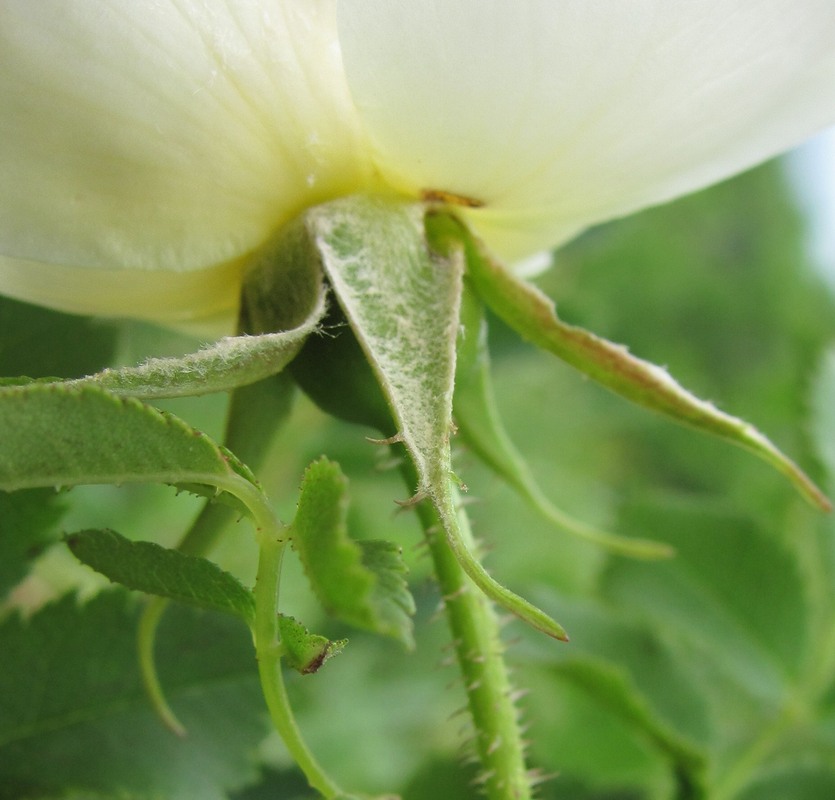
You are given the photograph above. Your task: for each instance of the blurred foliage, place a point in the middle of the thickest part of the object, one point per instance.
(708, 676)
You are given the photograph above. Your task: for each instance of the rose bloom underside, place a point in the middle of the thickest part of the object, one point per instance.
(147, 149)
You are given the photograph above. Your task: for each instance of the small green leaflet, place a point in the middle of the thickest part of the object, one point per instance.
(148, 567)
(151, 568)
(533, 316)
(303, 651)
(361, 582)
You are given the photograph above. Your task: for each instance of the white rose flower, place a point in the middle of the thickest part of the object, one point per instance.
(148, 148)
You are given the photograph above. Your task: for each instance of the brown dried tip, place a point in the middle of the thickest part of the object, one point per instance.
(449, 198)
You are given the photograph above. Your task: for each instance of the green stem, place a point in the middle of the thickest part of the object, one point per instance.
(200, 538)
(255, 414)
(479, 651)
(145, 638)
(268, 651)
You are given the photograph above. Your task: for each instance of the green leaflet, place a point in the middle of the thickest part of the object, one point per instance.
(74, 713)
(532, 315)
(360, 582)
(303, 651)
(402, 300)
(151, 568)
(54, 435)
(148, 567)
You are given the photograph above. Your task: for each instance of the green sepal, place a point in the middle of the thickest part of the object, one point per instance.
(361, 582)
(402, 297)
(480, 426)
(533, 316)
(283, 302)
(229, 363)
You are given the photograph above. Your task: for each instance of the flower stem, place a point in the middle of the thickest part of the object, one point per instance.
(256, 412)
(479, 651)
(268, 650)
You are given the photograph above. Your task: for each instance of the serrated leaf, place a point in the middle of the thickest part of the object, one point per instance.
(304, 651)
(393, 599)
(148, 567)
(73, 713)
(359, 582)
(59, 436)
(402, 299)
(28, 522)
(533, 316)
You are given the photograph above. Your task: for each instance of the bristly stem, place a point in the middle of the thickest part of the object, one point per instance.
(479, 651)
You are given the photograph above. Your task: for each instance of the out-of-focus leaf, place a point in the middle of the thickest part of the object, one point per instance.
(635, 677)
(41, 343)
(732, 592)
(73, 712)
(802, 782)
(28, 521)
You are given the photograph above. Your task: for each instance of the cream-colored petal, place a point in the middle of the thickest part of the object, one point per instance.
(163, 136)
(561, 113)
(160, 295)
